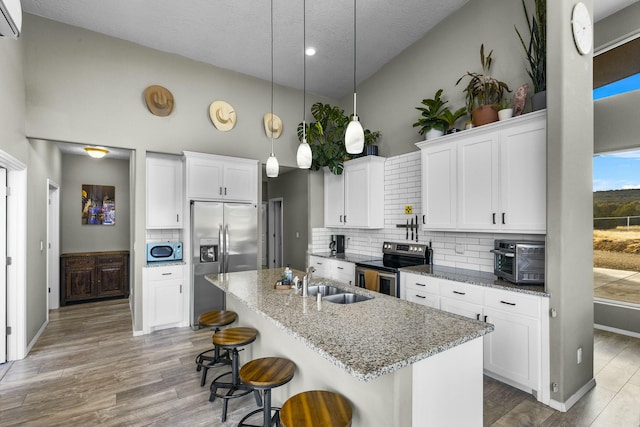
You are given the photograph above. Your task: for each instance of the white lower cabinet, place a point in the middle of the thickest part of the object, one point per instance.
(334, 269)
(163, 297)
(517, 348)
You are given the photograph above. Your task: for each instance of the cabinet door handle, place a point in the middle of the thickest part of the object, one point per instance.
(423, 219)
(318, 263)
(494, 217)
(341, 218)
(420, 284)
(478, 316)
(508, 303)
(459, 293)
(340, 268)
(421, 296)
(180, 288)
(225, 191)
(220, 192)
(485, 319)
(345, 219)
(503, 214)
(167, 274)
(177, 217)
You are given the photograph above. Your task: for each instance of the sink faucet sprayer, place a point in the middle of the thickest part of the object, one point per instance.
(305, 281)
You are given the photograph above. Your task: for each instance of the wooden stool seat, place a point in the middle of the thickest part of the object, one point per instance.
(234, 337)
(317, 408)
(264, 374)
(214, 319)
(230, 339)
(217, 318)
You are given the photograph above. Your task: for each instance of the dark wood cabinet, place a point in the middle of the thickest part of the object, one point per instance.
(93, 275)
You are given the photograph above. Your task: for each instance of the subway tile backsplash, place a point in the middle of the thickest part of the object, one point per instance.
(165, 235)
(402, 186)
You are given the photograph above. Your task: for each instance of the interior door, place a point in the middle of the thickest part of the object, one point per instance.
(3, 265)
(53, 250)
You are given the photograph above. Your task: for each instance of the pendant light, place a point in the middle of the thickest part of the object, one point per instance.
(303, 156)
(272, 163)
(354, 136)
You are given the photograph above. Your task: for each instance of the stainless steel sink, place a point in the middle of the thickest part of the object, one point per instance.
(346, 298)
(324, 290)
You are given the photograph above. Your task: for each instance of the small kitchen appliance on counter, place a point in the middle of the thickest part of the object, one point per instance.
(337, 244)
(518, 261)
(395, 256)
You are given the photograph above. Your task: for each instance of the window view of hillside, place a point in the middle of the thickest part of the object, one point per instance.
(616, 227)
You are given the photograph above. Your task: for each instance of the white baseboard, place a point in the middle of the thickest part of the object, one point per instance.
(616, 330)
(35, 339)
(565, 406)
(138, 333)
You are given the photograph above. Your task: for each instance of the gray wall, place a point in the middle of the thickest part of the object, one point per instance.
(13, 109)
(78, 237)
(292, 187)
(617, 27)
(387, 100)
(44, 163)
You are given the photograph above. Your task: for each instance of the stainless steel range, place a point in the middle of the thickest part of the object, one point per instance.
(395, 256)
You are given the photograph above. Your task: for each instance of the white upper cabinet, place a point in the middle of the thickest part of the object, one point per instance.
(211, 177)
(355, 199)
(489, 179)
(439, 186)
(164, 191)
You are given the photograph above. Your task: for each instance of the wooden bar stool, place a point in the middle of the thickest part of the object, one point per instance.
(265, 374)
(317, 408)
(214, 319)
(230, 339)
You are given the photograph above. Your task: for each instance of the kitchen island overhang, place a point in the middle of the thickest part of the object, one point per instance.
(399, 363)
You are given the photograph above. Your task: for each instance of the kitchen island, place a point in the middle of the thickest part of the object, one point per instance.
(399, 363)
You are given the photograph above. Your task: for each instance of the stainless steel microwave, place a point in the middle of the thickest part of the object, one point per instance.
(164, 251)
(520, 262)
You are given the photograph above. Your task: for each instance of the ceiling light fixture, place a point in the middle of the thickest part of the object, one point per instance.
(310, 51)
(96, 152)
(272, 162)
(303, 156)
(354, 136)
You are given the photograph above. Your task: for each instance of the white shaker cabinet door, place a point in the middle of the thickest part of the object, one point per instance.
(240, 180)
(164, 192)
(333, 200)
(439, 186)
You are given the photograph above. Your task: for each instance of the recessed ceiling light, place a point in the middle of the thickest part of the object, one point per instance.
(310, 51)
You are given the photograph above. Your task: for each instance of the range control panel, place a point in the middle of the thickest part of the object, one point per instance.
(412, 249)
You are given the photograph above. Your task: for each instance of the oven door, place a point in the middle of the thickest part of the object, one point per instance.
(388, 281)
(504, 264)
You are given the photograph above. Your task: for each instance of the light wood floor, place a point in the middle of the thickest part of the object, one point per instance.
(87, 369)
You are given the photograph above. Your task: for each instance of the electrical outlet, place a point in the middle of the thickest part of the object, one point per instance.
(460, 249)
(408, 209)
(579, 355)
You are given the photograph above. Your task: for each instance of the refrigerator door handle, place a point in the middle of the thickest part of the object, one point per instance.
(221, 250)
(226, 248)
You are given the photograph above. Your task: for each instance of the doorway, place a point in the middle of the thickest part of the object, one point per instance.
(53, 245)
(275, 232)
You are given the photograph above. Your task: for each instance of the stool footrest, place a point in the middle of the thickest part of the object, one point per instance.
(274, 418)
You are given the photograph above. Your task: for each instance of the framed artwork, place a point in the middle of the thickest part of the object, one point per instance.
(98, 204)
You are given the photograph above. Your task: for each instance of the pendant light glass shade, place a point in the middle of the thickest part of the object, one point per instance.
(354, 135)
(272, 166)
(304, 157)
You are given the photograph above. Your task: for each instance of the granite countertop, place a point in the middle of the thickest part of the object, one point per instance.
(368, 339)
(346, 257)
(475, 278)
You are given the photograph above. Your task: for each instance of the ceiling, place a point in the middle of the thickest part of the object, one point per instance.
(235, 35)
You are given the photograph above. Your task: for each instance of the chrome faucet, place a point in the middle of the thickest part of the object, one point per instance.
(305, 281)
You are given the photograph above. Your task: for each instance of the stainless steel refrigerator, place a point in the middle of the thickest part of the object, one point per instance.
(224, 239)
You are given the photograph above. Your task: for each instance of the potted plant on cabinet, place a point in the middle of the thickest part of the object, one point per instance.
(326, 137)
(431, 123)
(450, 118)
(505, 111)
(483, 92)
(536, 51)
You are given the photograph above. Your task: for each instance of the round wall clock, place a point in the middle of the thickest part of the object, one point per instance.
(582, 28)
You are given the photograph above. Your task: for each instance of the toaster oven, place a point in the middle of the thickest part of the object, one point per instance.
(519, 262)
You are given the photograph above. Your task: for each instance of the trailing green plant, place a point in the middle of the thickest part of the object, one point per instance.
(450, 118)
(482, 89)
(325, 136)
(430, 119)
(536, 49)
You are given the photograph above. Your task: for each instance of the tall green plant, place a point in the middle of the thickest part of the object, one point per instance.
(430, 117)
(326, 137)
(536, 49)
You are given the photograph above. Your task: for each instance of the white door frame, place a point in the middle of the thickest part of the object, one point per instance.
(16, 249)
(53, 246)
(3, 265)
(276, 207)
